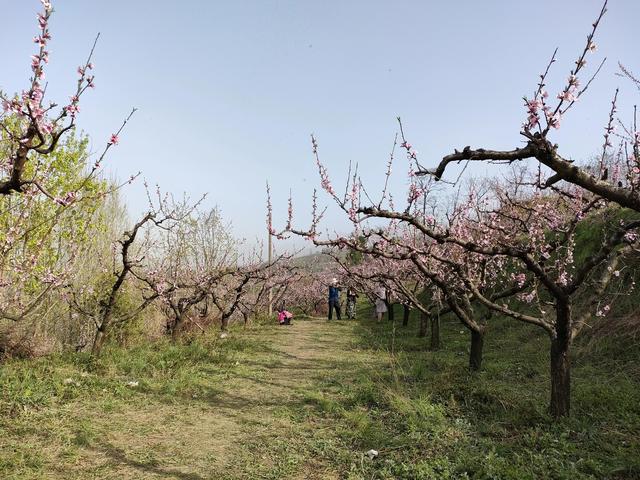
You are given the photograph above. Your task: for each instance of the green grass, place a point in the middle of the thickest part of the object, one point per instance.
(54, 410)
(432, 418)
(308, 401)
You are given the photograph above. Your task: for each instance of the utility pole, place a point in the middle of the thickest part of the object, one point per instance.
(269, 242)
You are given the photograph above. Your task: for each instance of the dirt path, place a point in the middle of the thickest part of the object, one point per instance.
(250, 419)
(274, 393)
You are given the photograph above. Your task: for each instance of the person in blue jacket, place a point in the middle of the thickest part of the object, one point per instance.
(334, 299)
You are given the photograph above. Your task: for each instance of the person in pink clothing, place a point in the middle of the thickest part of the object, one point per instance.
(284, 317)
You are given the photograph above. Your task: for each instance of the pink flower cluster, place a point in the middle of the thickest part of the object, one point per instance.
(411, 153)
(325, 182)
(354, 198)
(30, 103)
(569, 94)
(68, 199)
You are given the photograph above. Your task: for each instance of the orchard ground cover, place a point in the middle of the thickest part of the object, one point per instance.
(309, 400)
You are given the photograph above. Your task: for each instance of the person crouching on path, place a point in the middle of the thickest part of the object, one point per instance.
(284, 317)
(334, 299)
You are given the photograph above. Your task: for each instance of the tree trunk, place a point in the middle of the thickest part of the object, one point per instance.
(561, 363)
(98, 341)
(475, 353)
(405, 315)
(424, 321)
(101, 333)
(224, 323)
(175, 329)
(435, 333)
(390, 313)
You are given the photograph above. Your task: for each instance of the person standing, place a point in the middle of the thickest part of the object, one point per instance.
(351, 303)
(381, 305)
(334, 299)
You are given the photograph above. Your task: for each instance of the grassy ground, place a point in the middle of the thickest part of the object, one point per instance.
(308, 401)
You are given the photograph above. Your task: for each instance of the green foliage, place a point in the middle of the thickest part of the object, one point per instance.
(594, 230)
(42, 230)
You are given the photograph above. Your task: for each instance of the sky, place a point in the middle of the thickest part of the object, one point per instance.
(229, 92)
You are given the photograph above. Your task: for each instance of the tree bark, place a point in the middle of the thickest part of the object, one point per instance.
(175, 328)
(390, 312)
(424, 321)
(405, 315)
(98, 341)
(561, 362)
(435, 333)
(108, 306)
(475, 353)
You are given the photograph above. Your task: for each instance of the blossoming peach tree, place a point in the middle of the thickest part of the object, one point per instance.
(32, 128)
(511, 246)
(49, 189)
(616, 178)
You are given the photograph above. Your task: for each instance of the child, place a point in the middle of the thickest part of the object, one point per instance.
(284, 317)
(351, 303)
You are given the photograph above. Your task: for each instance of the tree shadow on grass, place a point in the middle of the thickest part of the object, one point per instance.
(258, 392)
(282, 381)
(301, 364)
(119, 456)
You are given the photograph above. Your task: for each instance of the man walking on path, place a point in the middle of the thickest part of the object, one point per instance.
(334, 299)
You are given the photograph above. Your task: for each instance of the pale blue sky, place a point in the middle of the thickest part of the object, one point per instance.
(229, 91)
